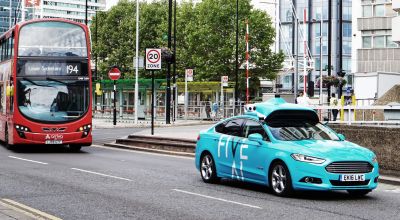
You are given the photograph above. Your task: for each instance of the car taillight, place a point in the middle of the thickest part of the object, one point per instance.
(198, 137)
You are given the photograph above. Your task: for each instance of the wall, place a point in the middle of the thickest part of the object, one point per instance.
(385, 142)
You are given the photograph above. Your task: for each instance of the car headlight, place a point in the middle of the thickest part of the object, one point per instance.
(307, 159)
(374, 159)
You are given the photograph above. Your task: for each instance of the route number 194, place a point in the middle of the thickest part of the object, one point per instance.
(72, 69)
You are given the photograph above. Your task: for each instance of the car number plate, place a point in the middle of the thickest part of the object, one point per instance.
(53, 142)
(352, 177)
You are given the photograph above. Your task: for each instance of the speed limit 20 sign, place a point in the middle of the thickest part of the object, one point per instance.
(153, 59)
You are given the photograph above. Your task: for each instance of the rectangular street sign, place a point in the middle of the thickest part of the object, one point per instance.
(153, 59)
(224, 80)
(189, 75)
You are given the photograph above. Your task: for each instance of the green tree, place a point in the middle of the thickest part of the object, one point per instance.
(206, 38)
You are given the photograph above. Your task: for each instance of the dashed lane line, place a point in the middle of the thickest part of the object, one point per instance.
(32, 161)
(101, 174)
(216, 198)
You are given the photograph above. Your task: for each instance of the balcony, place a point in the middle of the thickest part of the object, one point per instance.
(396, 31)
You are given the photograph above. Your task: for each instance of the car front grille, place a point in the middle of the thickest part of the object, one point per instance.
(349, 183)
(349, 167)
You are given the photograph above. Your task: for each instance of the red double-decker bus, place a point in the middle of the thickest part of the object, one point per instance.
(45, 84)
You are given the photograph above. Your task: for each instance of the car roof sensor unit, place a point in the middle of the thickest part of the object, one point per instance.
(251, 109)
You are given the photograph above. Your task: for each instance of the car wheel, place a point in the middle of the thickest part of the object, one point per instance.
(358, 193)
(207, 169)
(280, 180)
(75, 148)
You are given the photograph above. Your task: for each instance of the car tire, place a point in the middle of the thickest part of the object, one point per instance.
(280, 180)
(358, 193)
(208, 171)
(75, 148)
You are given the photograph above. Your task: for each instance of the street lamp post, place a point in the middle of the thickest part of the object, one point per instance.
(86, 12)
(137, 64)
(237, 58)
(10, 17)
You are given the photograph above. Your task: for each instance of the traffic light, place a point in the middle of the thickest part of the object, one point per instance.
(167, 55)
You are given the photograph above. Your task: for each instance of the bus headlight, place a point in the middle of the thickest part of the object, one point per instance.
(21, 130)
(85, 130)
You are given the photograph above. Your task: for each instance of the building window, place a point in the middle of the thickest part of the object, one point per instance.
(379, 10)
(346, 29)
(390, 43)
(366, 42)
(367, 11)
(379, 41)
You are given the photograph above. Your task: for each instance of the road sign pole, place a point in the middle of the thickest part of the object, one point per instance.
(222, 100)
(152, 102)
(186, 97)
(115, 104)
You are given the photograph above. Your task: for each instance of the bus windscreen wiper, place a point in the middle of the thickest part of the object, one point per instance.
(32, 82)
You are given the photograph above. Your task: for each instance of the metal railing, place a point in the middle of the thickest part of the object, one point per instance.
(210, 111)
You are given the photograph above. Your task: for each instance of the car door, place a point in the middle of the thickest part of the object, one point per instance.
(254, 168)
(228, 142)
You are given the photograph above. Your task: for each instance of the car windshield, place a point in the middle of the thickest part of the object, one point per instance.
(302, 131)
(63, 100)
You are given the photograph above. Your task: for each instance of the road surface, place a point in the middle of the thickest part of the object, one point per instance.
(102, 183)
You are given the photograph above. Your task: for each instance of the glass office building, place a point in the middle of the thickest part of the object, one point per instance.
(316, 10)
(7, 19)
(72, 10)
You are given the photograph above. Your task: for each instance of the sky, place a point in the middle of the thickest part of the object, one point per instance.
(110, 3)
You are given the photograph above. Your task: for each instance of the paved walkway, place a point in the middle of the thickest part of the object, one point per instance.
(108, 123)
(8, 213)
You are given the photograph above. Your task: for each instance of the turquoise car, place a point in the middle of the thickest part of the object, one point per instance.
(285, 147)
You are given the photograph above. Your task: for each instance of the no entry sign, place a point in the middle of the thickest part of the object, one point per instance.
(153, 59)
(114, 73)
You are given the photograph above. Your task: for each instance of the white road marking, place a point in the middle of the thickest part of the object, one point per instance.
(101, 174)
(142, 152)
(32, 161)
(219, 199)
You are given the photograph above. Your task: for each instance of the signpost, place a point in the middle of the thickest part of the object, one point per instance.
(224, 82)
(114, 74)
(188, 78)
(153, 62)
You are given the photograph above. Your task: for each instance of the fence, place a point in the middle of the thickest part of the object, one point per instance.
(215, 111)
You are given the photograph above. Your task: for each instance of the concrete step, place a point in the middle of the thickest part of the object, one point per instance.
(151, 150)
(159, 143)
(182, 140)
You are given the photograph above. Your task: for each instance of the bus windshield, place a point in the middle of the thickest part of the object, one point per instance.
(52, 100)
(52, 38)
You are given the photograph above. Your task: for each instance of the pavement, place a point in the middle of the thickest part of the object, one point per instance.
(129, 123)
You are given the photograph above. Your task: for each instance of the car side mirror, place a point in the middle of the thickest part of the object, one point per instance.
(341, 137)
(257, 138)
